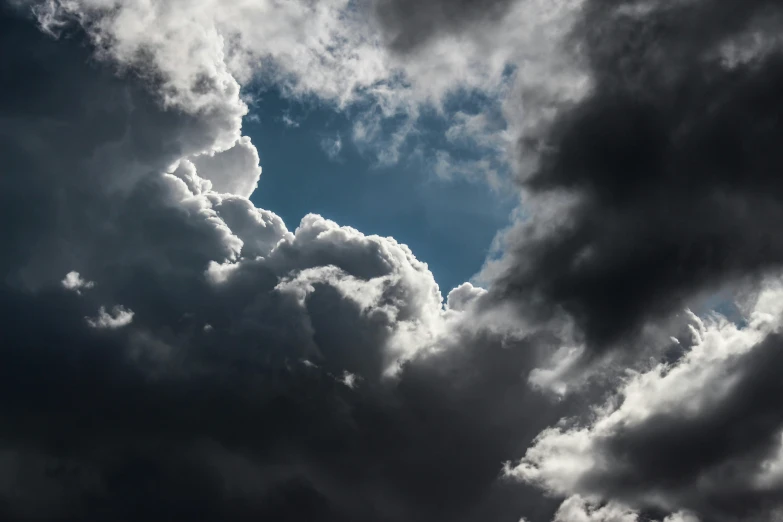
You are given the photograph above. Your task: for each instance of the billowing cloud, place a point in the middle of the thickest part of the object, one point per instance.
(176, 387)
(410, 24)
(344, 53)
(661, 183)
(701, 433)
(233, 171)
(654, 192)
(577, 509)
(224, 367)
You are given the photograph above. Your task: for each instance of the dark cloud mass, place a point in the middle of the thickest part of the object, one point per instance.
(669, 177)
(674, 159)
(200, 405)
(168, 351)
(409, 24)
(723, 446)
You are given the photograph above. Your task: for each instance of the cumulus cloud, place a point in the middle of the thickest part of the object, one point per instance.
(664, 172)
(463, 296)
(345, 53)
(192, 399)
(117, 318)
(232, 171)
(73, 281)
(577, 509)
(700, 433)
(257, 372)
(349, 379)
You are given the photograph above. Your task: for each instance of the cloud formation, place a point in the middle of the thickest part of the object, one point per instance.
(651, 193)
(202, 361)
(342, 52)
(73, 281)
(701, 433)
(222, 366)
(664, 176)
(117, 318)
(408, 24)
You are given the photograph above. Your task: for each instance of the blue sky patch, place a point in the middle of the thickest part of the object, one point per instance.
(311, 164)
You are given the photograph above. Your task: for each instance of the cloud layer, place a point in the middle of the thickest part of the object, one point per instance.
(170, 351)
(665, 175)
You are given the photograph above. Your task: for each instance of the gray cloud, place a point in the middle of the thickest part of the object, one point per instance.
(656, 189)
(225, 397)
(165, 418)
(409, 24)
(668, 168)
(701, 433)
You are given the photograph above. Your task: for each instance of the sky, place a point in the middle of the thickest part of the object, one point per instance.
(391, 260)
(449, 223)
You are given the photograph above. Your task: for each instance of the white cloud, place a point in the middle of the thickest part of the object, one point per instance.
(579, 509)
(233, 171)
(139, 215)
(574, 459)
(204, 50)
(73, 281)
(563, 372)
(180, 242)
(463, 296)
(349, 379)
(119, 317)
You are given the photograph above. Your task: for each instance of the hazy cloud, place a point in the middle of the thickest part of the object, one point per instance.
(405, 412)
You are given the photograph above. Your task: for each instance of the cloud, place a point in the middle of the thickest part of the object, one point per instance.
(119, 317)
(662, 177)
(408, 25)
(257, 372)
(232, 171)
(654, 192)
(700, 433)
(344, 54)
(349, 379)
(332, 147)
(577, 509)
(464, 296)
(73, 281)
(199, 405)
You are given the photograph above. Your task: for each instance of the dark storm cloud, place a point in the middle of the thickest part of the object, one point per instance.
(674, 159)
(703, 434)
(408, 24)
(669, 176)
(201, 407)
(709, 461)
